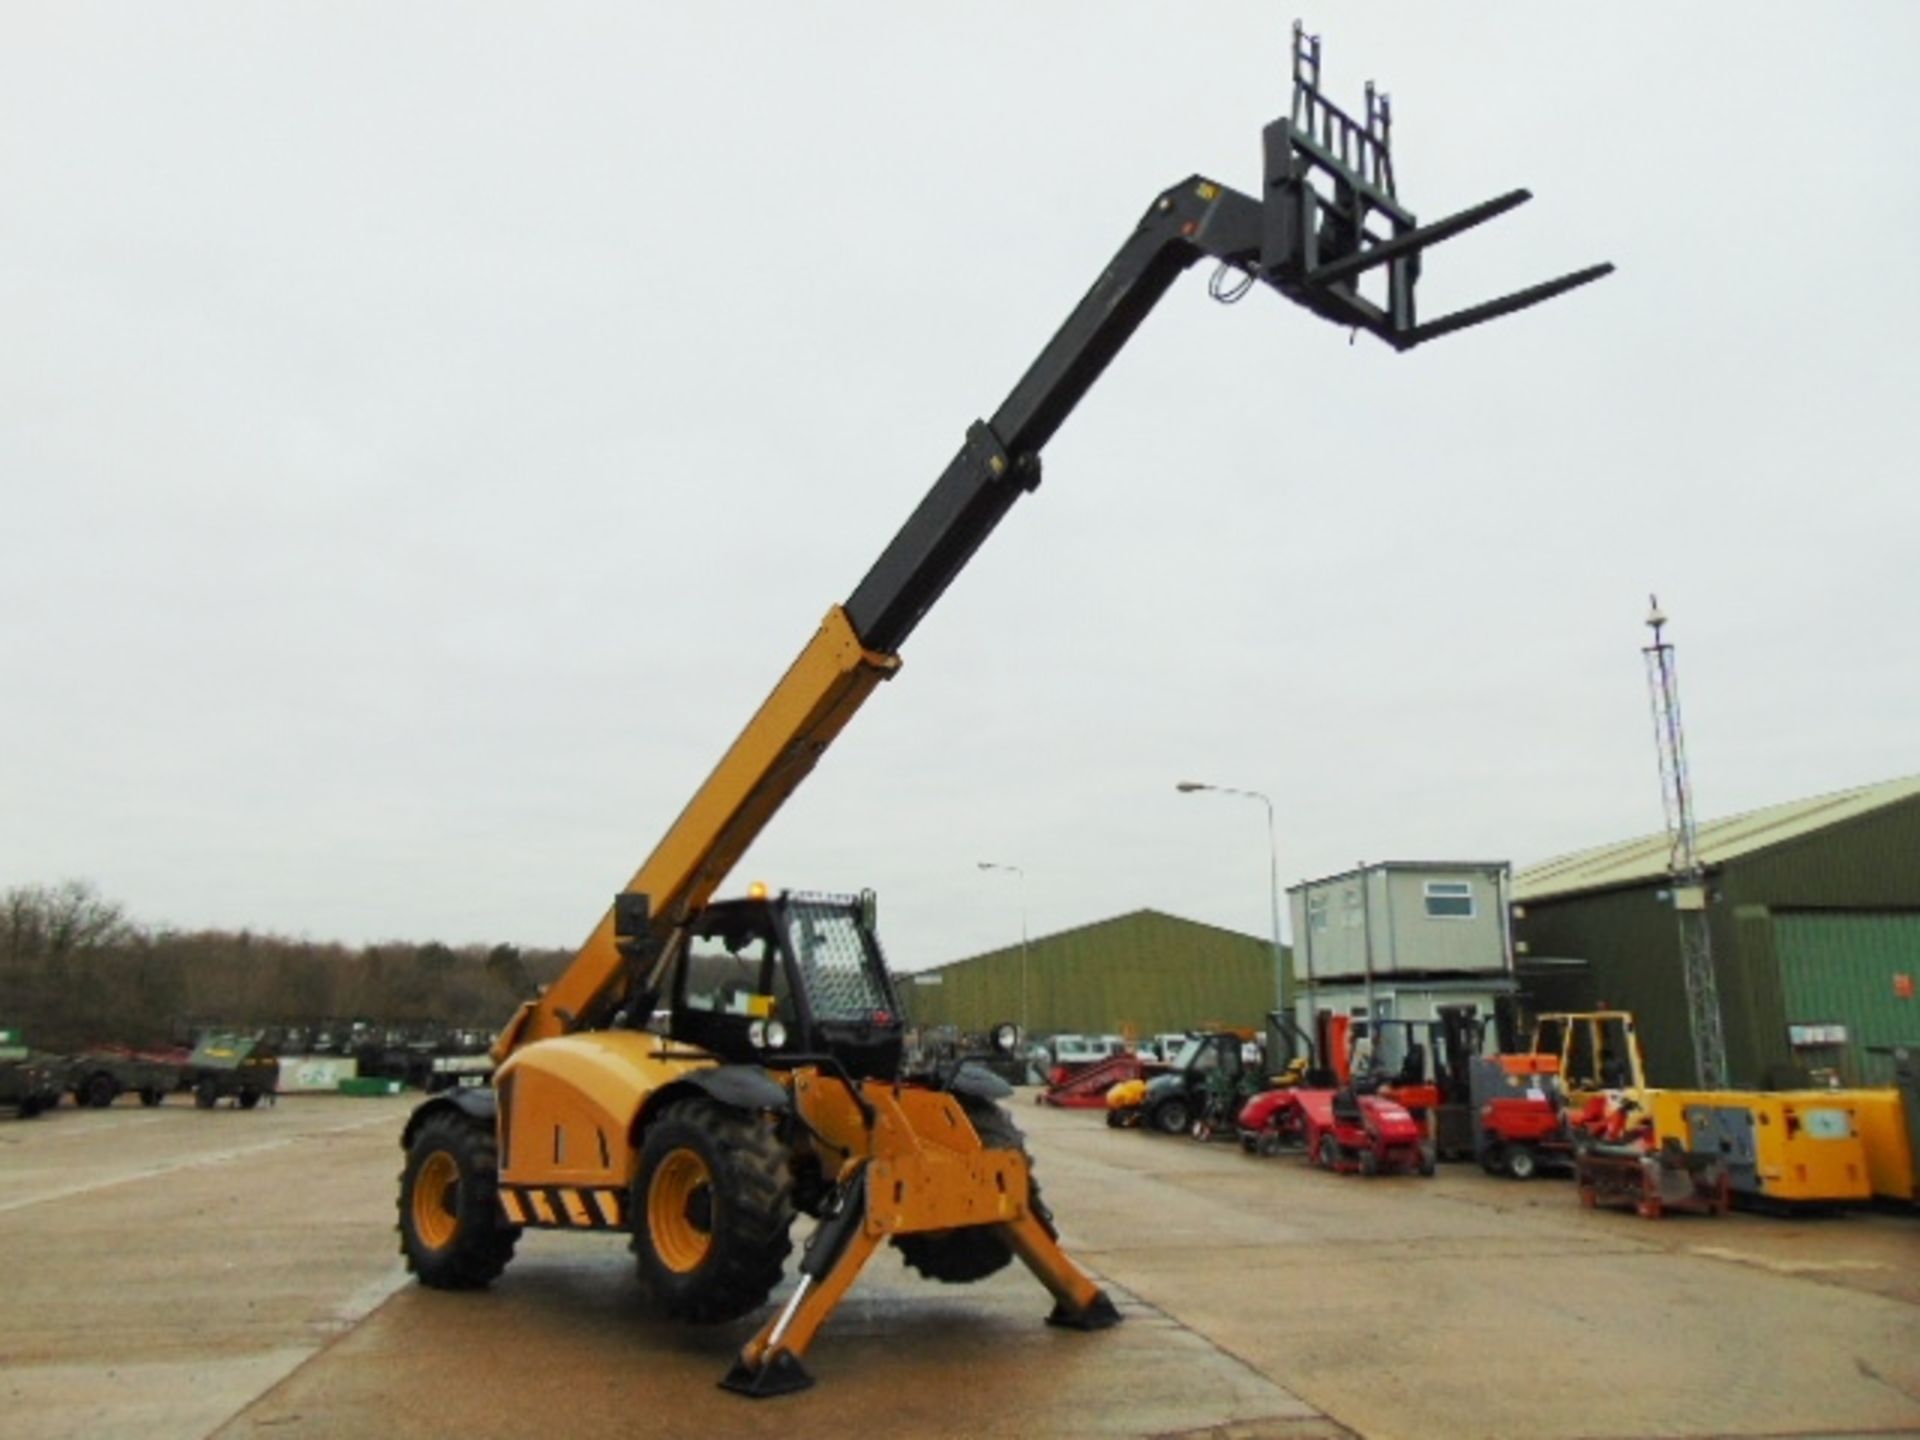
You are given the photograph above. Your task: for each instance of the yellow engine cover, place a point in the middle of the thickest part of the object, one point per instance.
(1127, 1095)
(567, 1105)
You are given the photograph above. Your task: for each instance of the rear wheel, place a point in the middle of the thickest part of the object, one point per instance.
(1329, 1152)
(101, 1091)
(1493, 1159)
(960, 1257)
(1369, 1162)
(451, 1230)
(206, 1092)
(149, 1097)
(712, 1207)
(249, 1098)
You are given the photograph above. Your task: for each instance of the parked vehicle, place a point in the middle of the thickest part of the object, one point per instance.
(241, 1068)
(1172, 1103)
(1523, 1123)
(1619, 1161)
(101, 1076)
(1342, 1130)
(29, 1082)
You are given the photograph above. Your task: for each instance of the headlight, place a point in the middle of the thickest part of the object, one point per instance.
(1005, 1037)
(776, 1035)
(757, 1034)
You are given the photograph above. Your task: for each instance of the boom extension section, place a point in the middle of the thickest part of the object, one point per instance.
(1328, 218)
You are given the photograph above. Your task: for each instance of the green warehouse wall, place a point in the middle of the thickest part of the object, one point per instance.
(1141, 973)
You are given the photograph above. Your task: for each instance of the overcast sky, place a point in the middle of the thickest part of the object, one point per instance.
(428, 430)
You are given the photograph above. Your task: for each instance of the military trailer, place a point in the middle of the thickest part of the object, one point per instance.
(241, 1068)
(100, 1077)
(29, 1083)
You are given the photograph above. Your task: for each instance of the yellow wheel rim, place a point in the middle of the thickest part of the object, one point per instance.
(680, 1211)
(436, 1195)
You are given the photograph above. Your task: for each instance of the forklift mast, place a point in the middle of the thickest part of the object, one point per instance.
(1326, 221)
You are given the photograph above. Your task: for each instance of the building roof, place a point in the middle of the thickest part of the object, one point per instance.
(1405, 867)
(1629, 862)
(1131, 917)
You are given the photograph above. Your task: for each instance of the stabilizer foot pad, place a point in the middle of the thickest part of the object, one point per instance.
(782, 1375)
(1100, 1315)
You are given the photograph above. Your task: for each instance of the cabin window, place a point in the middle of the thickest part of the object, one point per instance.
(1449, 899)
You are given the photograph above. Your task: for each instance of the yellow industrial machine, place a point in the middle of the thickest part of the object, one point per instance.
(1890, 1125)
(705, 1069)
(1783, 1147)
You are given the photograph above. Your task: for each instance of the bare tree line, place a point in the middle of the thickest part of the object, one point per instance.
(76, 971)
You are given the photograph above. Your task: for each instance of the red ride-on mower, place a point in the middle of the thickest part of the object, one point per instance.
(1271, 1122)
(1524, 1128)
(1350, 1132)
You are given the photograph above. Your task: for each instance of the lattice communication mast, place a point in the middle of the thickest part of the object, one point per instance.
(1689, 878)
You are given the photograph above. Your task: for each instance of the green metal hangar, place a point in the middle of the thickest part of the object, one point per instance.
(1140, 974)
(1814, 916)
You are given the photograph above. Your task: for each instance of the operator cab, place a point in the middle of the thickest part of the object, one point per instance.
(762, 981)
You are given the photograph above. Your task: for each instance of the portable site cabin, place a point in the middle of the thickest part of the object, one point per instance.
(1401, 938)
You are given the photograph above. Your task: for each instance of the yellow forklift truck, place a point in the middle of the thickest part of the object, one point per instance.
(704, 1070)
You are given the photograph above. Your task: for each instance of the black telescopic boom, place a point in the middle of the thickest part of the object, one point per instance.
(1001, 458)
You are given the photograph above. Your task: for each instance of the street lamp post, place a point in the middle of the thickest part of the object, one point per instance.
(1194, 787)
(1015, 870)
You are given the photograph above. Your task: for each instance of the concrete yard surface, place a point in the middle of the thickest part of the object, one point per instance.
(176, 1273)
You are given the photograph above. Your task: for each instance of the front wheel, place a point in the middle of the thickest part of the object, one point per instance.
(249, 1098)
(451, 1230)
(149, 1097)
(206, 1092)
(1522, 1163)
(1329, 1152)
(1172, 1117)
(101, 1091)
(712, 1207)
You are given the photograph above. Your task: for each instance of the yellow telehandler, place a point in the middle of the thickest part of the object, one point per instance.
(704, 1070)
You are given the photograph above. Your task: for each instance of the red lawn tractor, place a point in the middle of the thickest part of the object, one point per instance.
(1341, 1130)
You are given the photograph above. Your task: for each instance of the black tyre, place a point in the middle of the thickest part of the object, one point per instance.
(451, 1230)
(249, 1099)
(1493, 1159)
(1172, 1116)
(29, 1108)
(101, 1090)
(712, 1208)
(1329, 1152)
(1369, 1162)
(960, 1257)
(1522, 1163)
(206, 1092)
(150, 1097)
(1115, 1119)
